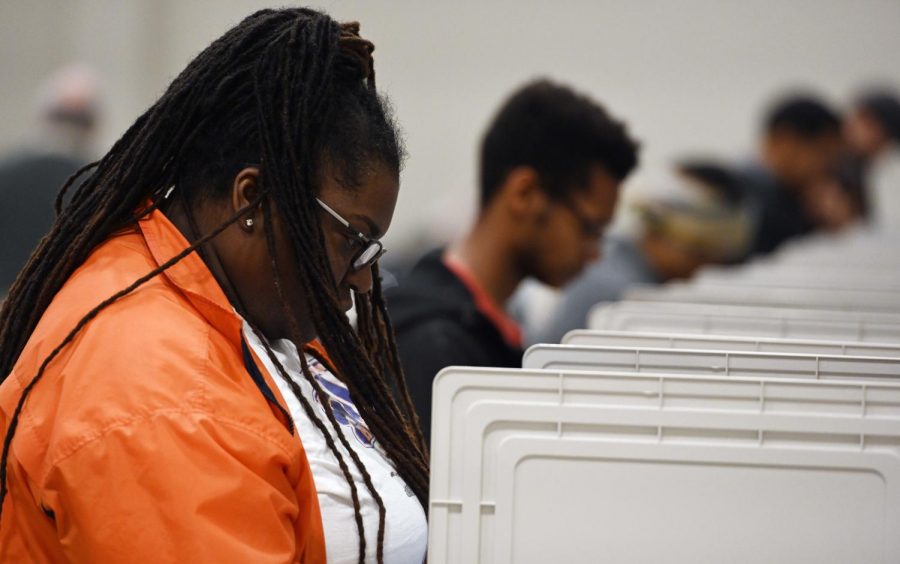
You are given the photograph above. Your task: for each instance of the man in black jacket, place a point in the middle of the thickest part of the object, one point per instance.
(551, 164)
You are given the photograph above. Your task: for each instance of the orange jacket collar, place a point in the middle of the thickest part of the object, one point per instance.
(190, 274)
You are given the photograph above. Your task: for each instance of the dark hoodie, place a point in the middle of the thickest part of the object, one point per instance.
(438, 325)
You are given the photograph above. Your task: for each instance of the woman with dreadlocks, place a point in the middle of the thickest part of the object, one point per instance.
(154, 402)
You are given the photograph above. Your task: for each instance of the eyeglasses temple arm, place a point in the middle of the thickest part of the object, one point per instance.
(334, 214)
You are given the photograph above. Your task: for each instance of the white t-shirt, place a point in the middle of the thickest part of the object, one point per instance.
(406, 529)
(884, 190)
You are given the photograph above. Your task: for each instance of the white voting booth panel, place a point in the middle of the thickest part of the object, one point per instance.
(657, 317)
(887, 278)
(848, 250)
(861, 300)
(717, 363)
(598, 338)
(864, 256)
(548, 466)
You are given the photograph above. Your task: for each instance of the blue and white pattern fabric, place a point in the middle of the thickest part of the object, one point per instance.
(406, 529)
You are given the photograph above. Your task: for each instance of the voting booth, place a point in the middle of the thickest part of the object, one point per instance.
(533, 466)
(699, 362)
(782, 296)
(746, 320)
(600, 338)
(790, 276)
(750, 415)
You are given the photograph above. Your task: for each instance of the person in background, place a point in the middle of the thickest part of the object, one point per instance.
(872, 130)
(686, 218)
(801, 147)
(550, 167)
(68, 113)
(837, 200)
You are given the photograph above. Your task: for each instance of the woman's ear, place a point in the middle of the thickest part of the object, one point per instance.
(245, 190)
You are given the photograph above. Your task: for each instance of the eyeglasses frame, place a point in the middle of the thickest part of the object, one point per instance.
(365, 241)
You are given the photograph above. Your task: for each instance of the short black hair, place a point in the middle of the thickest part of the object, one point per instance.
(804, 115)
(723, 181)
(558, 132)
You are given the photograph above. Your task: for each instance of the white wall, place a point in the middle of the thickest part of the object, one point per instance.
(689, 76)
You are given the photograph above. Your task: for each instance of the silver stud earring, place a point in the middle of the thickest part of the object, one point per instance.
(248, 222)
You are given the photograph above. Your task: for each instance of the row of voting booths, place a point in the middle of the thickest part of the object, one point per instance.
(749, 415)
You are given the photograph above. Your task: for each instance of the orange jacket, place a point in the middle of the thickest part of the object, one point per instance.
(151, 437)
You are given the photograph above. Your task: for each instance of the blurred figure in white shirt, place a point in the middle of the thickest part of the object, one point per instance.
(872, 129)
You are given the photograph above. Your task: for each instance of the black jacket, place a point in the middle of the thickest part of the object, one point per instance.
(778, 212)
(438, 325)
(29, 182)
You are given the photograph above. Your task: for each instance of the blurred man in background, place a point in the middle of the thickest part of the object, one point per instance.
(872, 130)
(31, 177)
(684, 219)
(801, 148)
(550, 167)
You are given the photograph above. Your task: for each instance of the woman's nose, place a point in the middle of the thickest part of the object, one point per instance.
(360, 280)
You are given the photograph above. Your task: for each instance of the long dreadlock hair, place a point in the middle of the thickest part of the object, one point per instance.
(289, 89)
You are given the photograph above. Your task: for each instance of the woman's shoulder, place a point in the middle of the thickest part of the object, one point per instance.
(148, 352)
(125, 334)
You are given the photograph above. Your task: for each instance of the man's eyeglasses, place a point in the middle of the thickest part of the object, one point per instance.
(370, 249)
(591, 228)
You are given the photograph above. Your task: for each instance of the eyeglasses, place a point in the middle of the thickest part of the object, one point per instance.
(592, 229)
(370, 249)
